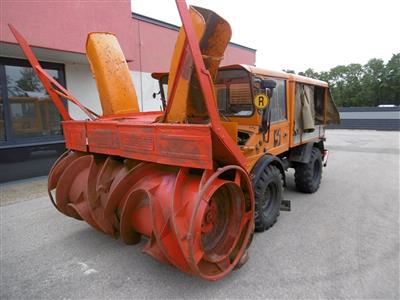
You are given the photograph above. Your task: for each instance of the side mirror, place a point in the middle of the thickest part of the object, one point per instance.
(155, 94)
(268, 84)
(264, 86)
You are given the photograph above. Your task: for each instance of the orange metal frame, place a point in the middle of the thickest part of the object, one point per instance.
(143, 182)
(108, 135)
(153, 191)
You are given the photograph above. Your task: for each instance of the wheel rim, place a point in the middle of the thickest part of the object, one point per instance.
(218, 225)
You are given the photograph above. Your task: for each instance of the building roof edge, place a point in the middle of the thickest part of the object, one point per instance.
(176, 28)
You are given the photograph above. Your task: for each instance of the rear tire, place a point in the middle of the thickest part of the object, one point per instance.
(308, 176)
(268, 198)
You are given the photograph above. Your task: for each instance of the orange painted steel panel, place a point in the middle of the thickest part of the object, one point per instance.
(231, 128)
(278, 138)
(201, 222)
(111, 72)
(75, 135)
(221, 139)
(178, 144)
(181, 72)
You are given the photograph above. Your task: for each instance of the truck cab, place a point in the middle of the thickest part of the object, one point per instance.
(277, 120)
(295, 111)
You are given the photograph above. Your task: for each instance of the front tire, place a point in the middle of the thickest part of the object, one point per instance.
(308, 176)
(268, 198)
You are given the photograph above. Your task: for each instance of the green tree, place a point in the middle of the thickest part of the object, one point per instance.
(352, 90)
(373, 82)
(337, 81)
(392, 80)
(28, 80)
(369, 85)
(310, 73)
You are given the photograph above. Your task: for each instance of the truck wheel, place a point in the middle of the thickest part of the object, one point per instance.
(268, 198)
(308, 176)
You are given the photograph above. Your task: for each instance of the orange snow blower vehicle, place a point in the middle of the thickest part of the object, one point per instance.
(198, 178)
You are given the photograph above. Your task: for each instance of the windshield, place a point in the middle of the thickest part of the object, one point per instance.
(233, 92)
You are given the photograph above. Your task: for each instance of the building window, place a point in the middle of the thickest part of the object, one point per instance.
(27, 113)
(2, 126)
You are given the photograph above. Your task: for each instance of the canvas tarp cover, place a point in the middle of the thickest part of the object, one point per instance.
(332, 114)
(304, 109)
(308, 113)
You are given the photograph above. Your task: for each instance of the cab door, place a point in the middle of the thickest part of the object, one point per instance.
(278, 136)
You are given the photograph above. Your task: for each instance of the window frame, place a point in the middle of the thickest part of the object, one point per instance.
(285, 84)
(11, 141)
(250, 78)
(277, 99)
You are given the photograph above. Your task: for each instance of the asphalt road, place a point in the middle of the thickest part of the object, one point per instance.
(341, 242)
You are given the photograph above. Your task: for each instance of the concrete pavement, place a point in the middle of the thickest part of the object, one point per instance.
(341, 242)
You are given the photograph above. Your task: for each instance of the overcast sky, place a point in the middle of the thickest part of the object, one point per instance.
(290, 34)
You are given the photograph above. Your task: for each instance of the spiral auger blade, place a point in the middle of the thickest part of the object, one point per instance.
(200, 221)
(103, 177)
(221, 221)
(83, 183)
(56, 172)
(71, 190)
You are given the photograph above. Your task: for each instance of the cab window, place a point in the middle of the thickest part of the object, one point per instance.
(233, 92)
(277, 104)
(278, 101)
